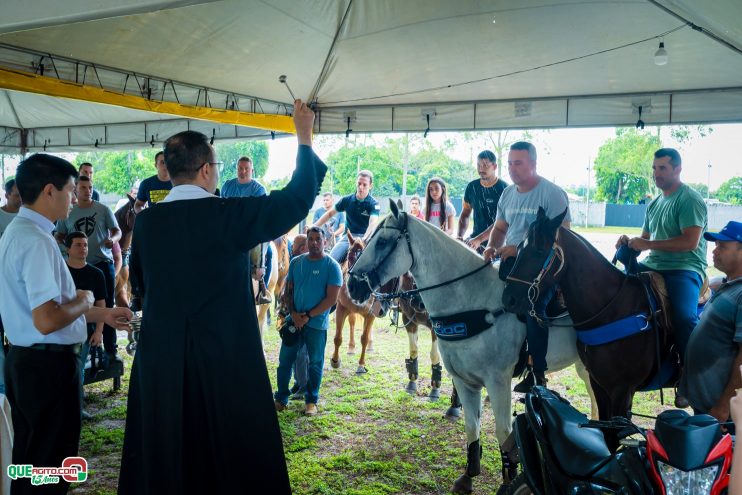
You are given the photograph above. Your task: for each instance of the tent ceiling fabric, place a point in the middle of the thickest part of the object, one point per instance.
(541, 63)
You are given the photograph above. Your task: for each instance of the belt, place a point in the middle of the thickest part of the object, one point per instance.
(71, 348)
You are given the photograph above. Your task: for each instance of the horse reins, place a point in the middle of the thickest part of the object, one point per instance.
(404, 232)
(556, 252)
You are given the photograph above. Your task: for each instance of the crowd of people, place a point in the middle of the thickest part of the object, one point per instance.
(193, 254)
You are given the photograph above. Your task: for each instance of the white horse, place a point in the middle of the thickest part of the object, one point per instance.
(403, 243)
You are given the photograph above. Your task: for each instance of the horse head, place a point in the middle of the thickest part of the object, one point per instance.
(386, 256)
(538, 265)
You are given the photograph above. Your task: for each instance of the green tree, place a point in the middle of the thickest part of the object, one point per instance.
(623, 167)
(731, 191)
(229, 153)
(384, 162)
(117, 171)
(701, 189)
(431, 162)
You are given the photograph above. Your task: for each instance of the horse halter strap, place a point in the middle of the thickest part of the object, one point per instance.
(403, 232)
(555, 253)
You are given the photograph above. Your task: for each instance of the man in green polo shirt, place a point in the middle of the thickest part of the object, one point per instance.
(672, 232)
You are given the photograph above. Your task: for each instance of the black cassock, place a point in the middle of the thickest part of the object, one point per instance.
(200, 415)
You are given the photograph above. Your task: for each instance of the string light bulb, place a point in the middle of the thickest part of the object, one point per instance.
(660, 56)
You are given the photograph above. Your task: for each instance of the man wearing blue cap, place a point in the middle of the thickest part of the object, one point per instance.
(714, 352)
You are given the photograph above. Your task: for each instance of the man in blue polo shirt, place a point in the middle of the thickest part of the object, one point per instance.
(361, 213)
(44, 317)
(312, 287)
(714, 353)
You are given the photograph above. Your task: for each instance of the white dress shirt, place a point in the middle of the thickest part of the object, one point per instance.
(187, 191)
(33, 272)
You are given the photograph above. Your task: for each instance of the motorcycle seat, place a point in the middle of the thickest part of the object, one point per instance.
(579, 451)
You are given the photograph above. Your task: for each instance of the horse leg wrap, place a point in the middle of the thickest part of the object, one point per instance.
(510, 459)
(473, 459)
(437, 375)
(455, 401)
(411, 365)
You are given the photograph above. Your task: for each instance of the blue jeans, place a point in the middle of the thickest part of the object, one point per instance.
(340, 249)
(315, 341)
(537, 335)
(683, 289)
(84, 351)
(300, 371)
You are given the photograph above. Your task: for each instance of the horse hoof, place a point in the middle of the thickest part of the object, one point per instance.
(335, 364)
(351, 351)
(361, 370)
(453, 413)
(369, 349)
(434, 395)
(462, 485)
(411, 388)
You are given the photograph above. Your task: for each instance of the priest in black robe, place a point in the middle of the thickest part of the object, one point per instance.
(200, 415)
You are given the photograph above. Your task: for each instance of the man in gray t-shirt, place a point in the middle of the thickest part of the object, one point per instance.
(714, 353)
(96, 220)
(516, 210)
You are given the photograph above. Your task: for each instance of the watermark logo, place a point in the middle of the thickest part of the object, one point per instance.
(73, 470)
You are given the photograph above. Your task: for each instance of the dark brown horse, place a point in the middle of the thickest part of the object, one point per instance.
(596, 293)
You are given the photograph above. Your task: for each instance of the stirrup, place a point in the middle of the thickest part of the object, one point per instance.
(525, 385)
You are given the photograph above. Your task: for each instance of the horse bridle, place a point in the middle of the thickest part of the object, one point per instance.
(534, 290)
(369, 276)
(534, 287)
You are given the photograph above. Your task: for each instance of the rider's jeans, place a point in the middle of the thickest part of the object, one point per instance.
(537, 335)
(300, 370)
(315, 341)
(683, 288)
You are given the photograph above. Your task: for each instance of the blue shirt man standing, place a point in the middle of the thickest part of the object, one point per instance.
(312, 287)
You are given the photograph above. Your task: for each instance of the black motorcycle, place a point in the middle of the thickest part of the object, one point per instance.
(563, 452)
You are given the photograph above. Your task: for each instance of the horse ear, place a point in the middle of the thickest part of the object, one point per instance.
(555, 222)
(351, 239)
(400, 206)
(541, 215)
(393, 208)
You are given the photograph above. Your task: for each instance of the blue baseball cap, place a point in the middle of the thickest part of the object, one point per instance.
(731, 232)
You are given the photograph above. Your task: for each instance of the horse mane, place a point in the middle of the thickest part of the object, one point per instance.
(592, 249)
(436, 231)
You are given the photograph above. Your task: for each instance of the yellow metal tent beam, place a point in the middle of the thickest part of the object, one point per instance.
(32, 83)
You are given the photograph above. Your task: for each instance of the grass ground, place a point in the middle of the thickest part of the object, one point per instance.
(370, 438)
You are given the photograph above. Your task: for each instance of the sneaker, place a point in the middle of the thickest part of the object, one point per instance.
(310, 409)
(280, 406)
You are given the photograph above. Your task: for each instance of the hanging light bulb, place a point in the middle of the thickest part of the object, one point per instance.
(660, 56)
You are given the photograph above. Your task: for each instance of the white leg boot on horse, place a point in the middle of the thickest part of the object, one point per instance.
(479, 342)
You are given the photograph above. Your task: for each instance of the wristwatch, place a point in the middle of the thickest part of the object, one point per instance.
(306, 313)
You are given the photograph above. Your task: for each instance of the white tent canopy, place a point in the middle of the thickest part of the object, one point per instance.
(369, 65)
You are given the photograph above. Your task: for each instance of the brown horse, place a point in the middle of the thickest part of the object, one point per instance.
(413, 314)
(281, 252)
(596, 293)
(347, 308)
(125, 216)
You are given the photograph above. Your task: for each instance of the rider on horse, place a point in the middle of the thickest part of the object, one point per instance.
(672, 232)
(516, 210)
